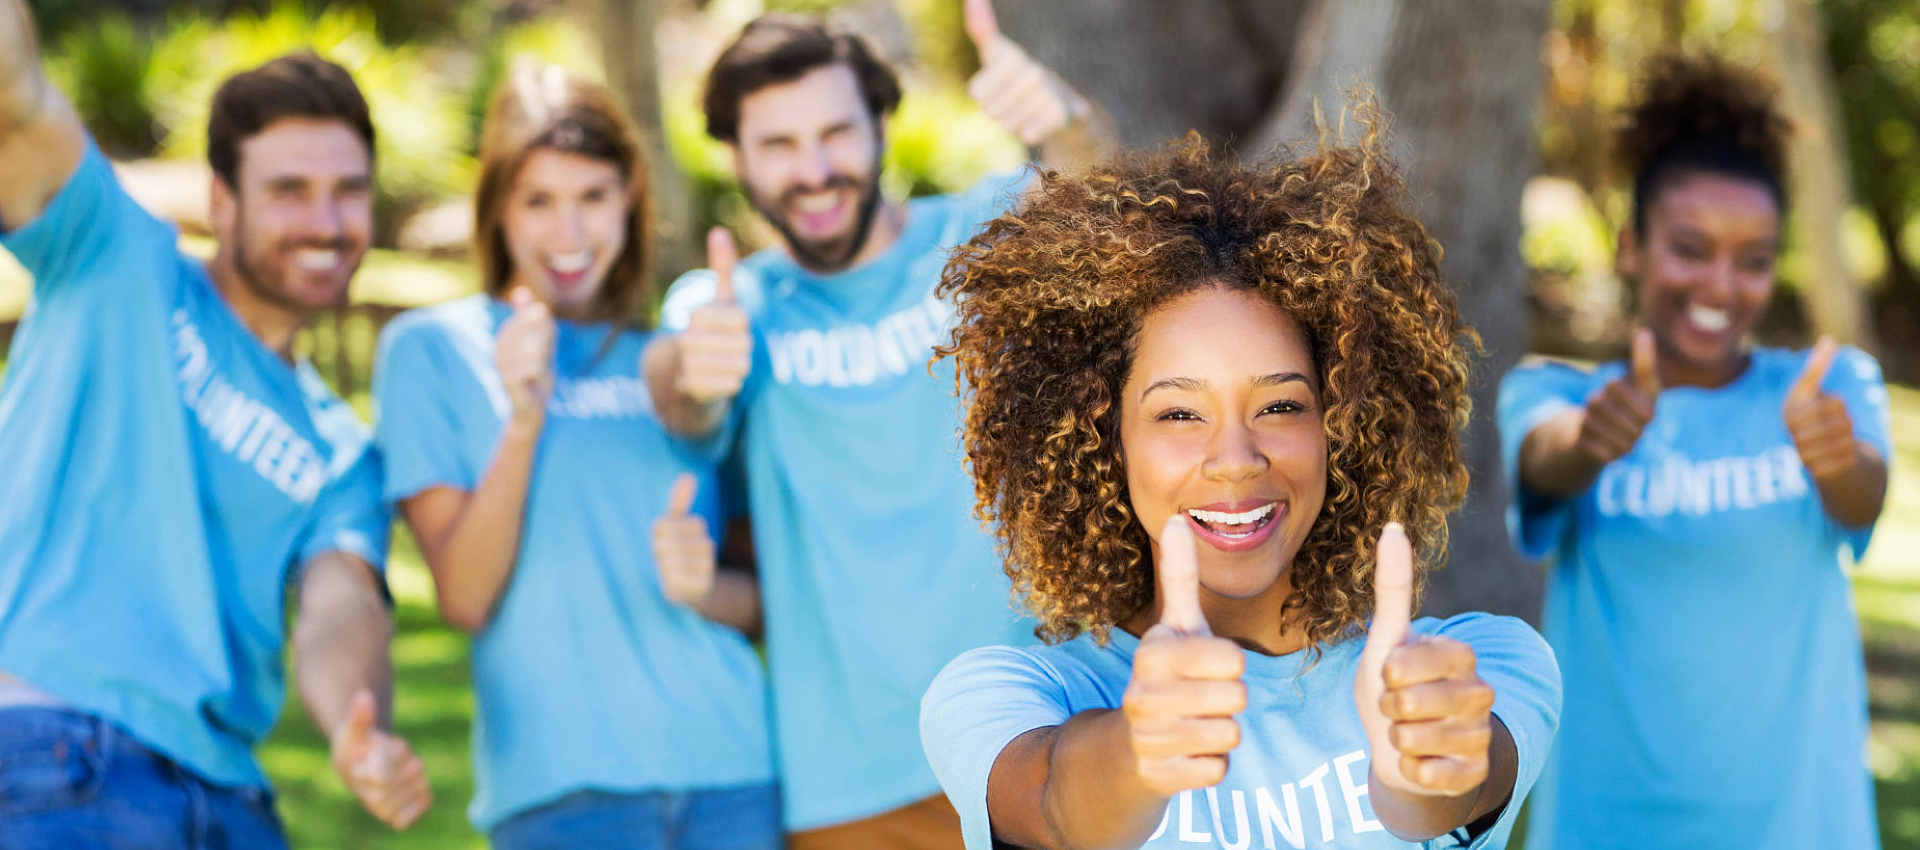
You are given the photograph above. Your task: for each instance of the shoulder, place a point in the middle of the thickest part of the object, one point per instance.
(1544, 375)
(1499, 642)
(466, 319)
(1061, 668)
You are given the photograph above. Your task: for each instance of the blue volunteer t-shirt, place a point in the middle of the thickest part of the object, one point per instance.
(873, 569)
(167, 474)
(1299, 776)
(586, 677)
(1716, 694)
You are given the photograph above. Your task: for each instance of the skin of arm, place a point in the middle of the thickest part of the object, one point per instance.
(41, 139)
(1854, 497)
(1551, 462)
(1082, 775)
(682, 414)
(472, 540)
(340, 638)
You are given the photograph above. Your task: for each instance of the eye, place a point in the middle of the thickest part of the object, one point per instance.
(1757, 264)
(536, 201)
(1689, 251)
(596, 195)
(1284, 406)
(1178, 414)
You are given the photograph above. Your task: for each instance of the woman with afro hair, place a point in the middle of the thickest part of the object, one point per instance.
(1694, 500)
(1213, 411)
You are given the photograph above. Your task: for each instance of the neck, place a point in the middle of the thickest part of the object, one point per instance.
(1674, 373)
(1258, 623)
(889, 219)
(275, 325)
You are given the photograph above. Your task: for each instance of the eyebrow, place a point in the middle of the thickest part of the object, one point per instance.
(1197, 385)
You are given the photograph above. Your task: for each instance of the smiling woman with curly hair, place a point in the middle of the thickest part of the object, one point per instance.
(1212, 399)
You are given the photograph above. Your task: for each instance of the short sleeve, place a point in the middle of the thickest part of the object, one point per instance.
(1529, 397)
(976, 706)
(349, 515)
(1516, 662)
(86, 232)
(418, 429)
(1855, 378)
(987, 199)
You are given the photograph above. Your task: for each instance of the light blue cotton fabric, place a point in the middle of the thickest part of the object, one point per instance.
(1299, 776)
(586, 677)
(166, 476)
(874, 571)
(1716, 695)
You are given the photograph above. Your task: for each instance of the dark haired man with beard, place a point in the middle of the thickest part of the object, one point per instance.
(174, 472)
(873, 571)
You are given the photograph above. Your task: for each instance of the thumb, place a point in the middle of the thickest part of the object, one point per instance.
(1392, 592)
(1178, 573)
(521, 298)
(722, 254)
(355, 733)
(680, 498)
(1646, 368)
(1807, 387)
(983, 28)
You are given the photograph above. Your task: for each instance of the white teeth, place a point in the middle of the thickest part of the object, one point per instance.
(1217, 517)
(1708, 318)
(314, 259)
(570, 263)
(823, 202)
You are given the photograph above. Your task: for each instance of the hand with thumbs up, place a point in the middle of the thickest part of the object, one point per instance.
(523, 354)
(715, 351)
(379, 768)
(1822, 431)
(1427, 714)
(1185, 686)
(1618, 414)
(1016, 91)
(683, 550)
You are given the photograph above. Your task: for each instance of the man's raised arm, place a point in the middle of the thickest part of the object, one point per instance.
(41, 139)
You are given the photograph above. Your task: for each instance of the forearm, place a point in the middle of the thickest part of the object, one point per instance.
(340, 642)
(1418, 817)
(680, 413)
(734, 601)
(1854, 498)
(1073, 787)
(1087, 138)
(1552, 462)
(473, 558)
(22, 85)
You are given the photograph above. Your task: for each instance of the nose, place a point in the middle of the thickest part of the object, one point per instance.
(1232, 454)
(573, 226)
(814, 167)
(1720, 281)
(326, 219)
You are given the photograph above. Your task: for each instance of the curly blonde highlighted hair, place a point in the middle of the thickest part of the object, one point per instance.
(1051, 298)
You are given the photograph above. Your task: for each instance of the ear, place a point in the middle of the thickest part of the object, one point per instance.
(739, 165)
(1626, 255)
(221, 207)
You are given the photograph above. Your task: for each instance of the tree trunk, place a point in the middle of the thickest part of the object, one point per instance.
(626, 31)
(1461, 79)
(1794, 48)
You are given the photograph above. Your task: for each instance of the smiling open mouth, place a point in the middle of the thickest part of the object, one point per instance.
(1235, 526)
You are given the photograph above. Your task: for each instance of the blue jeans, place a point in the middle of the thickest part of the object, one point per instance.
(701, 819)
(73, 780)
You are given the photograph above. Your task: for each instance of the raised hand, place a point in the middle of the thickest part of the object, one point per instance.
(1019, 93)
(683, 550)
(1186, 684)
(523, 354)
(1822, 431)
(379, 768)
(1427, 714)
(1618, 414)
(716, 350)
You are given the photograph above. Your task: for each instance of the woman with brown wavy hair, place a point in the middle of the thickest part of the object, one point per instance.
(618, 703)
(1214, 411)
